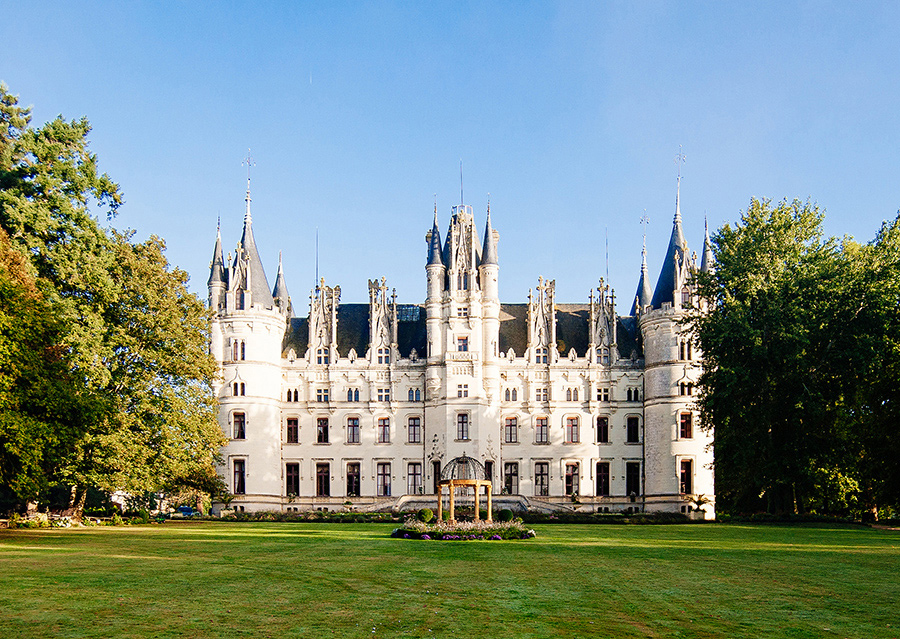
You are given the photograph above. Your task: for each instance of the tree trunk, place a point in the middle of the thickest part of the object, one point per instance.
(78, 506)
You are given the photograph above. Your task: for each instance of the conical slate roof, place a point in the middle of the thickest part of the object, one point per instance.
(665, 285)
(280, 292)
(707, 262)
(217, 266)
(489, 251)
(434, 247)
(259, 285)
(643, 295)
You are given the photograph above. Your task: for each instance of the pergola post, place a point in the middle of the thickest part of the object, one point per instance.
(440, 503)
(476, 503)
(452, 506)
(490, 504)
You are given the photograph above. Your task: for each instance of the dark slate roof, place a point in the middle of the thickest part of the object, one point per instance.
(280, 292)
(434, 247)
(643, 295)
(571, 330)
(353, 331)
(489, 251)
(260, 293)
(217, 267)
(665, 285)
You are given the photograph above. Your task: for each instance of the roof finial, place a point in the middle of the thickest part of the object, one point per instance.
(249, 163)
(645, 220)
(435, 205)
(489, 204)
(461, 201)
(679, 160)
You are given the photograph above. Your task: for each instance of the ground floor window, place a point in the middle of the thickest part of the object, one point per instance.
(239, 487)
(383, 477)
(603, 479)
(571, 479)
(511, 478)
(489, 471)
(292, 479)
(633, 430)
(414, 478)
(323, 480)
(542, 479)
(687, 477)
(353, 479)
(603, 430)
(633, 479)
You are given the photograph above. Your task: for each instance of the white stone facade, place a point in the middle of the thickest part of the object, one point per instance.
(568, 406)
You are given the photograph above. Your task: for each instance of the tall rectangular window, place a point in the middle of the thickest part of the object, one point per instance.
(572, 479)
(436, 476)
(603, 479)
(633, 430)
(542, 479)
(511, 430)
(323, 480)
(353, 479)
(414, 478)
(462, 344)
(414, 430)
(239, 423)
(293, 431)
(633, 479)
(489, 470)
(239, 488)
(572, 434)
(292, 479)
(687, 477)
(462, 426)
(384, 430)
(603, 430)
(353, 430)
(383, 479)
(322, 430)
(511, 478)
(541, 431)
(687, 426)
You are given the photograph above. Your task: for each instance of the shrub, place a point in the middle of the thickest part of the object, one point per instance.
(425, 515)
(505, 515)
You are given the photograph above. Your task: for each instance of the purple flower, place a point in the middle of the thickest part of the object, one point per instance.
(406, 535)
(425, 537)
(497, 537)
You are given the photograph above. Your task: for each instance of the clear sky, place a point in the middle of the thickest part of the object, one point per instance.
(569, 114)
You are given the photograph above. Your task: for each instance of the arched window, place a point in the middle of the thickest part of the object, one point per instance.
(568, 394)
(515, 395)
(418, 395)
(411, 395)
(234, 350)
(574, 394)
(235, 390)
(506, 395)
(289, 395)
(296, 395)
(689, 353)
(628, 395)
(356, 395)
(243, 350)
(242, 388)
(349, 394)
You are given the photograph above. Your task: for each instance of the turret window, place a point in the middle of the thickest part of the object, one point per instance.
(239, 426)
(686, 388)
(685, 350)
(686, 426)
(238, 389)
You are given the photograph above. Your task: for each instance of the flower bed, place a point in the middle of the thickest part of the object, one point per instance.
(463, 530)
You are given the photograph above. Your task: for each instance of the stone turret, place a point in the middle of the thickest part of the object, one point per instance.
(218, 276)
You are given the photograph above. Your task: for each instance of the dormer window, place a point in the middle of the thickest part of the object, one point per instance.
(540, 355)
(322, 356)
(685, 297)
(383, 356)
(603, 355)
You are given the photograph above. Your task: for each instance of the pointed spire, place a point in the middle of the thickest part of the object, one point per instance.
(259, 285)
(434, 245)
(217, 266)
(280, 292)
(489, 251)
(665, 285)
(643, 295)
(707, 261)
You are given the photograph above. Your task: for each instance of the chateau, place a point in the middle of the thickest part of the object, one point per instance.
(567, 406)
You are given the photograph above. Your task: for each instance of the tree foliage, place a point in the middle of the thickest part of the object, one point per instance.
(135, 410)
(795, 341)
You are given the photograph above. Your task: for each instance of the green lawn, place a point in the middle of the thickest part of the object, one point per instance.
(330, 580)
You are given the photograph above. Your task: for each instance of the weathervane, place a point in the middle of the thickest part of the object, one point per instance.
(679, 160)
(248, 162)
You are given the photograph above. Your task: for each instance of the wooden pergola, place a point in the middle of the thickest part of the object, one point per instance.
(463, 472)
(453, 484)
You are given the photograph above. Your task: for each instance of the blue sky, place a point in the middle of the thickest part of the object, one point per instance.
(569, 114)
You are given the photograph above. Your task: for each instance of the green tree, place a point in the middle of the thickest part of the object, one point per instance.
(135, 339)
